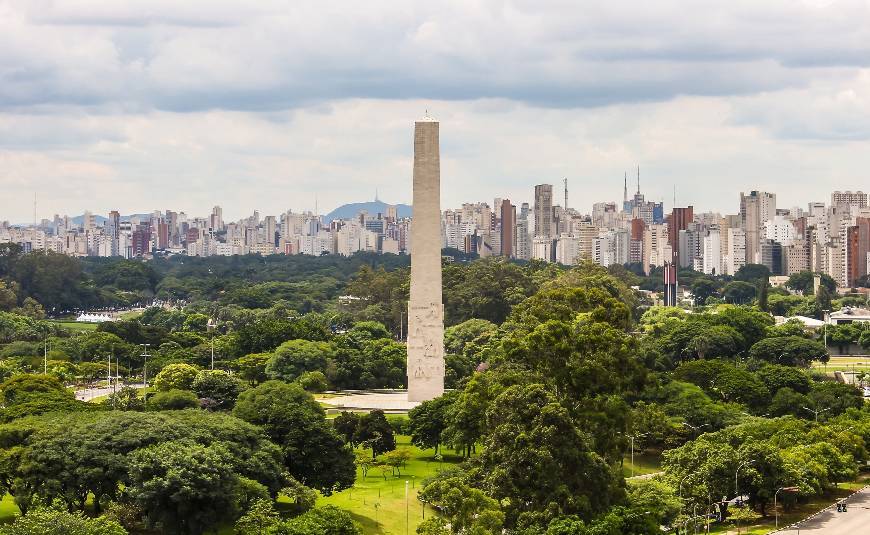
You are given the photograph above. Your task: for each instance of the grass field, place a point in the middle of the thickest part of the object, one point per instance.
(379, 504)
(77, 326)
(857, 364)
(643, 464)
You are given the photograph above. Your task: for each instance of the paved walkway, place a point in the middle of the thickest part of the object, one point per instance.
(388, 402)
(856, 521)
(88, 394)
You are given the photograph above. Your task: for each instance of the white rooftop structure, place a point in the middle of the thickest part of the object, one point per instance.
(93, 318)
(850, 315)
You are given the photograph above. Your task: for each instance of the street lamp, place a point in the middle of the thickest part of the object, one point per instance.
(775, 512)
(680, 487)
(736, 493)
(816, 412)
(210, 327)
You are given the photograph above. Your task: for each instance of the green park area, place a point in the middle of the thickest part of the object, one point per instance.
(378, 502)
(76, 325)
(844, 364)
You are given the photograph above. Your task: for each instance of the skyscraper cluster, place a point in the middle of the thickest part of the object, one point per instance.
(169, 232)
(828, 237)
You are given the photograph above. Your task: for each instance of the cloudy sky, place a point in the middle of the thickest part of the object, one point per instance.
(156, 104)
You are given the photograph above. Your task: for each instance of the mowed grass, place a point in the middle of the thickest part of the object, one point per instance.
(77, 326)
(380, 505)
(8, 510)
(643, 464)
(843, 364)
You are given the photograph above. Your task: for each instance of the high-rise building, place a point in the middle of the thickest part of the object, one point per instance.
(114, 228)
(755, 209)
(508, 226)
(678, 221)
(858, 249)
(544, 211)
(855, 199)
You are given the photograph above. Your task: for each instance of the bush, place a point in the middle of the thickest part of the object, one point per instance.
(173, 400)
(45, 521)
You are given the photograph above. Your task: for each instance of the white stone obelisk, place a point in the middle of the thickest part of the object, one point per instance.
(425, 310)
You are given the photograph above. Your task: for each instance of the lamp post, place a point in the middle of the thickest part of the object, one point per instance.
(816, 412)
(210, 327)
(775, 512)
(680, 487)
(736, 493)
(145, 365)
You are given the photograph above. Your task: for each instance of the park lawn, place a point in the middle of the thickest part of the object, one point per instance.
(8, 510)
(379, 504)
(77, 326)
(844, 364)
(646, 463)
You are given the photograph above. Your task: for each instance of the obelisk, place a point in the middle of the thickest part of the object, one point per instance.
(425, 310)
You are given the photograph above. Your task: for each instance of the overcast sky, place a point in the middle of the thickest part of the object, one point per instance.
(164, 104)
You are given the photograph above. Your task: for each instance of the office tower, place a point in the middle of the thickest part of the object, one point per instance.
(712, 253)
(669, 274)
(678, 221)
(508, 224)
(858, 249)
(114, 227)
(544, 211)
(216, 221)
(735, 250)
(524, 236)
(635, 248)
(755, 209)
(771, 256)
(856, 199)
(425, 310)
(656, 250)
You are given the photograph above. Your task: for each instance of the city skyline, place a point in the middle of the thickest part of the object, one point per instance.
(107, 105)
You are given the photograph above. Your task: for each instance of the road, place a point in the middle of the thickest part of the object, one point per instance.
(87, 394)
(853, 522)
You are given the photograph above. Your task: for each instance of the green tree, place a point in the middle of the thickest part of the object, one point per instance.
(704, 288)
(295, 357)
(535, 459)
(803, 282)
(346, 424)
(789, 351)
(313, 381)
(219, 386)
(465, 509)
(656, 496)
(752, 273)
(738, 292)
(375, 432)
(182, 486)
(429, 420)
(252, 368)
(125, 399)
(176, 377)
(314, 452)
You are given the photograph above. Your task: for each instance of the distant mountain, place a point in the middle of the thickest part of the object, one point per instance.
(348, 211)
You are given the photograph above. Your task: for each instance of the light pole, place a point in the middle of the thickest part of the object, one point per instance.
(680, 487)
(736, 493)
(816, 412)
(775, 512)
(145, 365)
(210, 327)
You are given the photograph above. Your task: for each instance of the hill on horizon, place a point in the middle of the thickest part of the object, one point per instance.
(347, 211)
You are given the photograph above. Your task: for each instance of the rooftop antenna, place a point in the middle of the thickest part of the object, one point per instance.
(35, 220)
(675, 196)
(638, 180)
(625, 188)
(566, 193)
(376, 194)
(315, 204)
